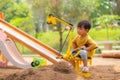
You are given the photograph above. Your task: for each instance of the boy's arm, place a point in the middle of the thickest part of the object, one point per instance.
(74, 44)
(92, 45)
(90, 48)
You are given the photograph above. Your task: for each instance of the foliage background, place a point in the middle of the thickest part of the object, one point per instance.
(30, 16)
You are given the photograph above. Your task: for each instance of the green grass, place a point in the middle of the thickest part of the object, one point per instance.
(101, 34)
(52, 38)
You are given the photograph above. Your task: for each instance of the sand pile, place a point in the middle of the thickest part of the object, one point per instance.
(59, 71)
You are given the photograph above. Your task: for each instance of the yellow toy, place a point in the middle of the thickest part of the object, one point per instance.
(74, 60)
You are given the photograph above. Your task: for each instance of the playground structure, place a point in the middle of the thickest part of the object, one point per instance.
(9, 51)
(74, 60)
(110, 67)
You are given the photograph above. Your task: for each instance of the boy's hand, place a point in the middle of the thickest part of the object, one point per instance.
(75, 50)
(83, 47)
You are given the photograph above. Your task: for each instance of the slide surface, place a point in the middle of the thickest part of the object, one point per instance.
(8, 48)
(29, 41)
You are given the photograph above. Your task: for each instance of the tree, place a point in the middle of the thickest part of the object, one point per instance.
(117, 7)
(17, 15)
(56, 9)
(76, 10)
(38, 8)
(4, 6)
(105, 21)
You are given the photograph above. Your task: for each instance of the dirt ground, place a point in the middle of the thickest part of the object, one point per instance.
(101, 69)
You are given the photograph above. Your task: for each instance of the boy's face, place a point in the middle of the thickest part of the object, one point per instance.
(82, 31)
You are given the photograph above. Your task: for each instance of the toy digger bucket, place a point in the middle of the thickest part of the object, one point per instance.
(37, 62)
(51, 19)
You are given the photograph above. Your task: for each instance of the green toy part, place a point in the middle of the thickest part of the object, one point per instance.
(37, 62)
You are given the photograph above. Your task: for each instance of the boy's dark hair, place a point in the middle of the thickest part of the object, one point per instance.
(85, 24)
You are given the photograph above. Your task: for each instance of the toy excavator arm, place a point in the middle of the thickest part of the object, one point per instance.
(53, 20)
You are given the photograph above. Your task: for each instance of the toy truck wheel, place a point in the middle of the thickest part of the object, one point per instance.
(37, 63)
(33, 64)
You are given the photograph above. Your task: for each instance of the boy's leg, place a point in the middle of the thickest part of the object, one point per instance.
(85, 63)
(83, 55)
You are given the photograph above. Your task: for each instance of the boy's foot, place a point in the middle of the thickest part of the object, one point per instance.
(85, 69)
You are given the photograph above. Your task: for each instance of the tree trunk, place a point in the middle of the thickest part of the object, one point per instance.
(56, 9)
(36, 29)
(118, 7)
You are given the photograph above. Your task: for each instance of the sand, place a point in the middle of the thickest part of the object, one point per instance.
(62, 71)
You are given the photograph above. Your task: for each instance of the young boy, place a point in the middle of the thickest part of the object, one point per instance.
(85, 42)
